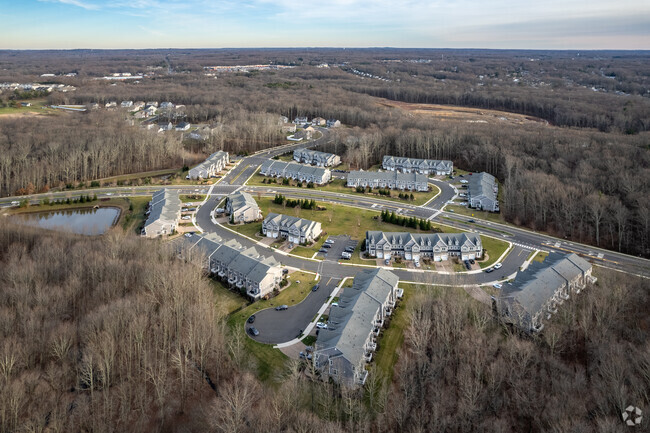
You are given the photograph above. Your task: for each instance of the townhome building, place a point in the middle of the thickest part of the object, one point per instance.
(414, 246)
(242, 208)
(535, 293)
(333, 123)
(299, 172)
(211, 166)
(294, 229)
(288, 127)
(344, 348)
(314, 157)
(244, 268)
(415, 165)
(482, 191)
(318, 121)
(301, 120)
(388, 179)
(163, 214)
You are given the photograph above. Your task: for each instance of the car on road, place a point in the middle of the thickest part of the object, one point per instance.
(321, 325)
(188, 235)
(251, 319)
(315, 288)
(15, 203)
(498, 266)
(471, 221)
(253, 331)
(281, 307)
(497, 285)
(109, 193)
(488, 270)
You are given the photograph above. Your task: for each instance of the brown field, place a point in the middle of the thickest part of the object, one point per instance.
(463, 114)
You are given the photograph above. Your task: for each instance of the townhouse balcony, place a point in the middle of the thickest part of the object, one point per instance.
(537, 328)
(222, 273)
(240, 284)
(376, 331)
(552, 308)
(371, 347)
(361, 379)
(379, 323)
(232, 281)
(368, 357)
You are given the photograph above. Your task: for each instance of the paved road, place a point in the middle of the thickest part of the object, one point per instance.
(280, 326)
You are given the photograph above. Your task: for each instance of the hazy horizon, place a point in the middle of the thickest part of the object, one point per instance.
(463, 24)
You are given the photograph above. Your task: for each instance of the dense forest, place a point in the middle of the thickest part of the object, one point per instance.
(117, 334)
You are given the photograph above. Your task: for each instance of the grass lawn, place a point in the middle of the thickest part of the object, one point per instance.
(227, 301)
(37, 107)
(483, 215)
(132, 220)
(141, 175)
(495, 248)
(250, 229)
(188, 198)
(540, 256)
(338, 185)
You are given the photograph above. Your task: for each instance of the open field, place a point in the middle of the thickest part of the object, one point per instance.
(484, 215)
(37, 108)
(464, 114)
(494, 248)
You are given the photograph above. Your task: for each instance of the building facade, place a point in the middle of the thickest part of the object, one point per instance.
(163, 214)
(536, 293)
(299, 172)
(314, 157)
(211, 166)
(388, 179)
(414, 165)
(347, 345)
(482, 191)
(242, 208)
(414, 246)
(294, 229)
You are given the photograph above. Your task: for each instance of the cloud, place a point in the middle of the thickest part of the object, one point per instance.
(79, 3)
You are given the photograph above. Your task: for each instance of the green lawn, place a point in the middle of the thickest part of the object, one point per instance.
(141, 175)
(540, 256)
(250, 229)
(37, 107)
(478, 214)
(495, 248)
(338, 185)
(188, 198)
(227, 301)
(133, 220)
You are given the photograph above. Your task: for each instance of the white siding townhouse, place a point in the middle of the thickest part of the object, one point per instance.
(299, 172)
(314, 157)
(388, 179)
(242, 208)
(296, 230)
(244, 268)
(210, 167)
(482, 190)
(333, 123)
(413, 246)
(414, 165)
(347, 345)
(163, 214)
(536, 292)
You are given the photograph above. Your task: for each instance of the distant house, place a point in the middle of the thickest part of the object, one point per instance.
(482, 192)
(295, 230)
(211, 166)
(288, 127)
(25, 104)
(137, 106)
(414, 165)
(111, 104)
(314, 157)
(244, 268)
(94, 106)
(301, 120)
(284, 119)
(299, 172)
(535, 293)
(333, 123)
(388, 179)
(318, 121)
(163, 214)
(303, 134)
(413, 246)
(140, 115)
(165, 126)
(166, 105)
(183, 126)
(242, 208)
(126, 104)
(149, 110)
(343, 349)
(152, 104)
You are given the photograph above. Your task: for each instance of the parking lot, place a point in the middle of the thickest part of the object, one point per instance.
(341, 242)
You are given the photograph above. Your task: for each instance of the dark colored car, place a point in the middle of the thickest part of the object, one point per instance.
(313, 289)
(327, 246)
(472, 261)
(281, 307)
(471, 221)
(251, 319)
(253, 331)
(285, 271)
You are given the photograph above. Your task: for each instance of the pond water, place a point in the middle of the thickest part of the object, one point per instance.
(82, 221)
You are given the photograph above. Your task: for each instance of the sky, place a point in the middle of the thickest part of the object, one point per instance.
(524, 24)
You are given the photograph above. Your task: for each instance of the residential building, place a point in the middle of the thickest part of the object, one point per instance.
(343, 349)
(25, 104)
(388, 179)
(333, 123)
(284, 119)
(111, 104)
(183, 126)
(300, 120)
(414, 165)
(165, 126)
(210, 167)
(288, 127)
(126, 104)
(314, 157)
(149, 110)
(414, 246)
(299, 172)
(244, 268)
(163, 214)
(482, 191)
(166, 105)
(242, 208)
(536, 292)
(153, 103)
(303, 134)
(318, 121)
(295, 230)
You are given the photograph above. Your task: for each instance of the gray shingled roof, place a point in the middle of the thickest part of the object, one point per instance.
(437, 164)
(303, 225)
(425, 239)
(241, 199)
(290, 168)
(482, 184)
(165, 206)
(388, 176)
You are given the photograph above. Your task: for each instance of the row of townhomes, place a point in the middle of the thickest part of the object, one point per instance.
(211, 166)
(314, 157)
(163, 214)
(242, 208)
(413, 246)
(291, 170)
(244, 268)
(414, 165)
(296, 230)
(536, 292)
(388, 179)
(316, 121)
(482, 191)
(343, 349)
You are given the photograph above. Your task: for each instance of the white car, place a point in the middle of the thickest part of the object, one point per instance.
(497, 285)
(186, 217)
(188, 235)
(321, 325)
(497, 266)
(15, 203)
(335, 304)
(109, 193)
(417, 264)
(464, 181)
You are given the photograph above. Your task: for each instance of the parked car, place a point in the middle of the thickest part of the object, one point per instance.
(321, 325)
(349, 249)
(498, 266)
(251, 319)
(327, 245)
(345, 255)
(488, 270)
(322, 250)
(281, 307)
(220, 210)
(471, 221)
(302, 355)
(183, 209)
(467, 265)
(285, 271)
(497, 285)
(329, 241)
(186, 217)
(309, 349)
(187, 235)
(472, 261)
(313, 289)
(417, 264)
(335, 304)
(253, 331)
(387, 262)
